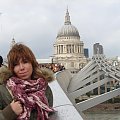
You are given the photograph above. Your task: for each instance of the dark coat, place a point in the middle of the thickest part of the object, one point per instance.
(6, 112)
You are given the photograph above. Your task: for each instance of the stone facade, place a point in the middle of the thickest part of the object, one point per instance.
(68, 49)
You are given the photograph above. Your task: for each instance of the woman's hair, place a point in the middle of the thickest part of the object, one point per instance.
(21, 51)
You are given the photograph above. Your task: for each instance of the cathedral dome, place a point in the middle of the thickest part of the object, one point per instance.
(68, 29)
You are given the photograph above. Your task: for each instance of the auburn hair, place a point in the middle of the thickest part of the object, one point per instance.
(21, 51)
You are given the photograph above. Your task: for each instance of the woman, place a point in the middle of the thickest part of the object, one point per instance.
(24, 90)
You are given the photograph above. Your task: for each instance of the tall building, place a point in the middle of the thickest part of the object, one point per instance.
(68, 49)
(86, 52)
(97, 49)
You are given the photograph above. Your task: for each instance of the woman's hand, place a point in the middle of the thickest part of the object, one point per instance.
(16, 107)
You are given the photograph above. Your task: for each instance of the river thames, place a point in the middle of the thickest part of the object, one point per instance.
(114, 115)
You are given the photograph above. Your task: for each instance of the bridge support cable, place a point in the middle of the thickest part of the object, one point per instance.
(97, 100)
(98, 75)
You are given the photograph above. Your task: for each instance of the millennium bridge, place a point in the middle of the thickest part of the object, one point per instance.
(98, 75)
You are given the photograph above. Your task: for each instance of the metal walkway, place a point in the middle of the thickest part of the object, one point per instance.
(62, 105)
(98, 75)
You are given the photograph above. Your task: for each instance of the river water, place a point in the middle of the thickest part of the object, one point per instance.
(115, 115)
(60, 99)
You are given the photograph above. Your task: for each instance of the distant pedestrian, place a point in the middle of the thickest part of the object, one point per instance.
(1, 61)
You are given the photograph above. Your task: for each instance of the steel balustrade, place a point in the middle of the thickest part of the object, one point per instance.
(98, 72)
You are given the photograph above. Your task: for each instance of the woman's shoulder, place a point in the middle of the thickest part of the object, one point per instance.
(48, 74)
(5, 74)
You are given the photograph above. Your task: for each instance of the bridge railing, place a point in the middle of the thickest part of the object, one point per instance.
(98, 72)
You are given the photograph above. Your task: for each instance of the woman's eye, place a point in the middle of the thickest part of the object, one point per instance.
(25, 61)
(15, 64)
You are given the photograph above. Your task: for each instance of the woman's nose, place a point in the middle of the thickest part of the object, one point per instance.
(21, 65)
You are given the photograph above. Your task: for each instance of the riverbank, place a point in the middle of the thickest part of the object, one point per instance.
(108, 107)
(103, 112)
(103, 116)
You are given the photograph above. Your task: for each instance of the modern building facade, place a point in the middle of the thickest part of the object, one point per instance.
(86, 52)
(97, 49)
(68, 49)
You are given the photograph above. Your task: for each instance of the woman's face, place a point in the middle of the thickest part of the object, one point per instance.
(23, 69)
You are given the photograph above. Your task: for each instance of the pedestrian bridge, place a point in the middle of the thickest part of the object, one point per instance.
(64, 109)
(97, 82)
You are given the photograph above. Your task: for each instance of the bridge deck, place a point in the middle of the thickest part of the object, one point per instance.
(64, 108)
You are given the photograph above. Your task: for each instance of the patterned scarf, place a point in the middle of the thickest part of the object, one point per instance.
(31, 94)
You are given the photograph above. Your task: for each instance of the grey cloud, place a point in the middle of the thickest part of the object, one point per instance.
(36, 23)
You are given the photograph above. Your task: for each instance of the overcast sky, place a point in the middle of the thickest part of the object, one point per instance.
(37, 22)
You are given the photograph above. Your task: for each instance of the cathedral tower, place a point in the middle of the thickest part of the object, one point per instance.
(68, 49)
(12, 43)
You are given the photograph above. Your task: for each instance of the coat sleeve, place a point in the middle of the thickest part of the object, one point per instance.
(49, 96)
(6, 113)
